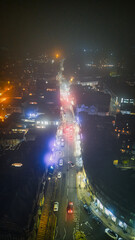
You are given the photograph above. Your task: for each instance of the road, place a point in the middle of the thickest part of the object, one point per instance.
(67, 224)
(66, 193)
(66, 187)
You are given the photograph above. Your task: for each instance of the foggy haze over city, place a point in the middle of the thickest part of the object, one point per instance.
(38, 26)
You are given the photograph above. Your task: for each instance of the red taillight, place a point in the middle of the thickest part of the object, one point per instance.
(70, 211)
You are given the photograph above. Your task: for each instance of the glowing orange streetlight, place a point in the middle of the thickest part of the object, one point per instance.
(71, 79)
(57, 55)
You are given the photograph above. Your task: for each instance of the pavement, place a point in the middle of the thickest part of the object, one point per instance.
(47, 217)
(84, 194)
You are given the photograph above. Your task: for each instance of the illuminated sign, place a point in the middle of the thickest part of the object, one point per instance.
(16, 164)
(51, 89)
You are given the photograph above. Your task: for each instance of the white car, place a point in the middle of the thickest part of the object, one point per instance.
(62, 144)
(58, 142)
(60, 162)
(78, 137)
(59, 175)
(111, 234)
(56, 207)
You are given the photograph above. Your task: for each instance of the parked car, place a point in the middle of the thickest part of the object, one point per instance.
(59, 175)
(87, 208)
(111, 234)
(56, 207)
(72, 164)
(62, 144)
(60, 162)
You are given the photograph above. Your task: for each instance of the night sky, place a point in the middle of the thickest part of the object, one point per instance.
(40, 25)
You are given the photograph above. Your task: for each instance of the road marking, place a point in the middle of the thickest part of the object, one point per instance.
(56, 232)
(74, 234)
(64, 234)
(88, 225)
(67, 192)
(77, 226)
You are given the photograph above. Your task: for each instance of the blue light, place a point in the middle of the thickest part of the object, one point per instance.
(31, 115)
(77, 119)
(51, 143)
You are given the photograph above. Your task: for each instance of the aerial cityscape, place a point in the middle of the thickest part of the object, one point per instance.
(67, 121)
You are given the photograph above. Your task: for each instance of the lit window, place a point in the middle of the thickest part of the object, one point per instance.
(16, 164)
(101, 206)
(126, 100)
(113, 218)
(121, 224)
(131, 100)
(106, 211)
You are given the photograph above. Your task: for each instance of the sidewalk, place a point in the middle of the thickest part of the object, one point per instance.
(85, 196)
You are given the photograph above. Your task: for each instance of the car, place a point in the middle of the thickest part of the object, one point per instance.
(87, 208)
(51, 169)
(78, 137)
(111, 234)
(70, 207)
(70, 136)
(56, 207)
(59, 175)
(49, 176)
(72, 164)
(62, 144)
(58, 142)
(60, 162)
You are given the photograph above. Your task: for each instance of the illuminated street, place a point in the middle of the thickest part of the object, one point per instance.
(66, 187)
(71, 186)
(67, 120)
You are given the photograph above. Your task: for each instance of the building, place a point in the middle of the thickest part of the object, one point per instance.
(113, 193)
(93, 102)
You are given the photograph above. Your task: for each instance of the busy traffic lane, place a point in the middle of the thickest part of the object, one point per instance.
(69, 223)
(66, 193)
(79, 220)
(62, 199)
